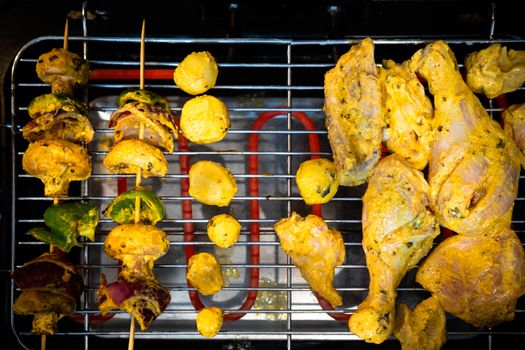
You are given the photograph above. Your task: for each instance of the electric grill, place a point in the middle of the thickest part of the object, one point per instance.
(273, 87)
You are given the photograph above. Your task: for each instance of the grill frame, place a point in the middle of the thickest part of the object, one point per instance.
(288, 335)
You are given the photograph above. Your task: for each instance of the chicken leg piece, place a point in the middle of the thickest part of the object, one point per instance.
(315, 249)
(477, 278)
(398, 231)
(354, 113)
(495, 70)
(474, 166)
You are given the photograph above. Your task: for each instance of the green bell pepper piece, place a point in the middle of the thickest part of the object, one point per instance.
(66, 222)
(122, 208)
(49, 103)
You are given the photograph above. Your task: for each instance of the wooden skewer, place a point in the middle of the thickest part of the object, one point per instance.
(138, 178)
(66, 34)
(43, 342)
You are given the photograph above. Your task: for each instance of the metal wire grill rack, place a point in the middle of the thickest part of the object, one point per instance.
(256, 76)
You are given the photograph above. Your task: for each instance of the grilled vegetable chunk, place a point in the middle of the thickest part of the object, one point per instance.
(63, 70)
(158, 126)
(196, 73)
(122, 208)
(211, 183)
(209, 321)
(143, 96)
(205, 274)
(54, 103)
(223, 230)
(70, 126)
(56, 163)
(67, 222)
(137, 246)
(317, 181)
(145, 299)
(204, 119)
(50, 287)
(128, 156)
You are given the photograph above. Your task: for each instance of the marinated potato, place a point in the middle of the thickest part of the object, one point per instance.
(196, 73)
(204, 119)
(317, 181)
(205, 274)
(211, 183)
(223, 230)
(209, 321)
(128, 156)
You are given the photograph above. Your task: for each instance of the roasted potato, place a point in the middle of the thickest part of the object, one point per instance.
(205, 273)
(196, 73)
(223, 230)
(317, 181)
(211, 183)
(204, 119)
(209, 321)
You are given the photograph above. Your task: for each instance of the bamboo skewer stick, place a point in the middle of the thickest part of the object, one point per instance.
(138, 178)
(66, 34)
(43, 342)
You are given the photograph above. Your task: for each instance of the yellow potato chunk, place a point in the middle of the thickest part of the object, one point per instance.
(223, 230)
(205, 274)
(204, 119)
(196, 73)
(209, 321)
(211, 183)
(317, 181)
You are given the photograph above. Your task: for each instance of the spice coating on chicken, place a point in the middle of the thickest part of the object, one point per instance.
(63, 70)
(398, 230)
(474, 166)
(408, 114)
(354, 113)
(514, 126)
(315, 249)
(128, 156)
(56, 163)
(477, 278)
(495, 70)
(137, 246)
(423, 328)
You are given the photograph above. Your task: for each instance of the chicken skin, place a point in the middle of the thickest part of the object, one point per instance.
(423, 328)
(514, 126)
(408, 114)
(56, 163)
(477, 278)
(474, 166)
(495, 70)
(354, 113)
(315, 249)
(398, 231)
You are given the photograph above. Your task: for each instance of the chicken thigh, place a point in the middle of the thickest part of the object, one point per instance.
(354, 113)
(477, 278)
(514, 126)
(474, 166)
(398, 231)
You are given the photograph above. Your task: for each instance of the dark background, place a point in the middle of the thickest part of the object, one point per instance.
(21, 21)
